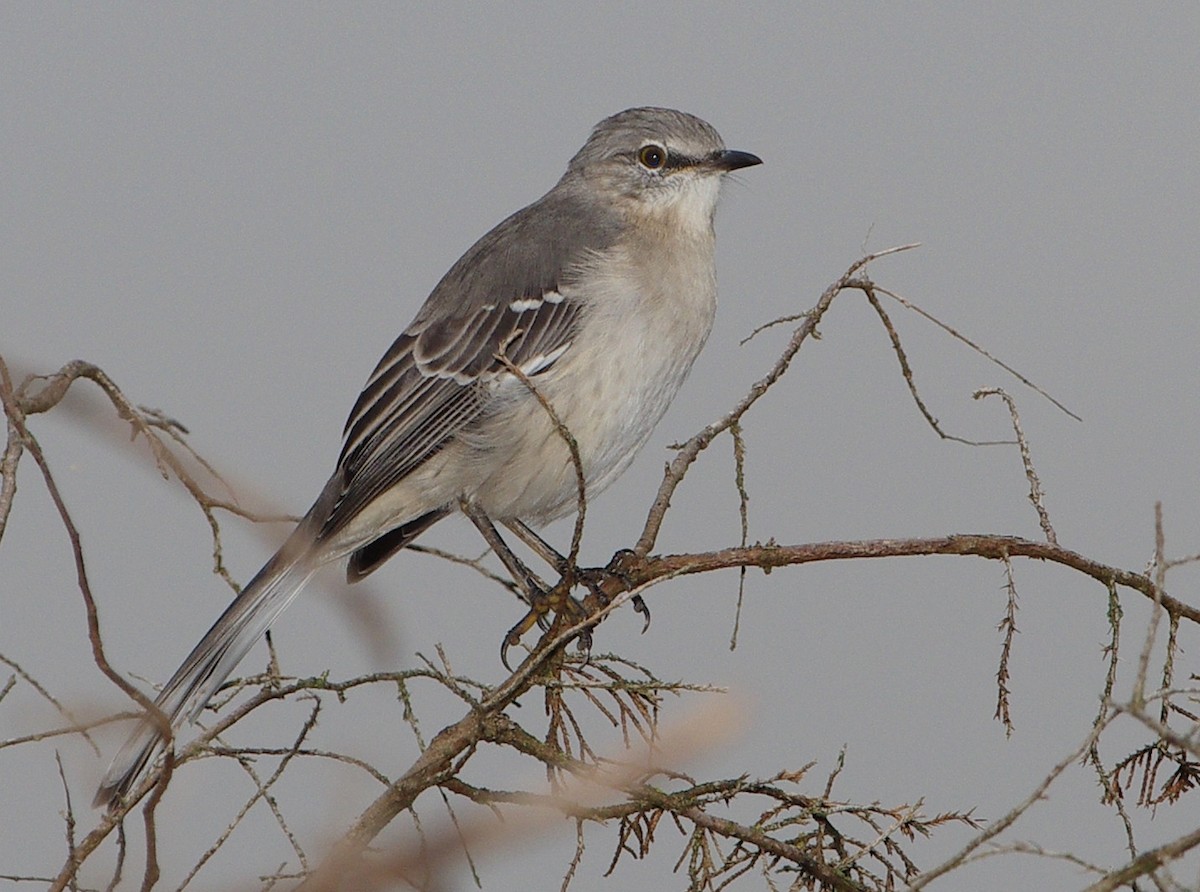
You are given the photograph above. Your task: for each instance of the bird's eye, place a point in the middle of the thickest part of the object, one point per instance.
(652, 157)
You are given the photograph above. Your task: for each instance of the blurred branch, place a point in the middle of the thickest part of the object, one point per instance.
(795, 834)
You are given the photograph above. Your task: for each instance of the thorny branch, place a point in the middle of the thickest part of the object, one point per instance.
(688, 452)
(796, 833)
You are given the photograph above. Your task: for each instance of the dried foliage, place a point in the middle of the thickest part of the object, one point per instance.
(610, 732)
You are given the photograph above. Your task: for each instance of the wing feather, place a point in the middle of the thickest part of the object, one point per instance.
(512, 291)
(428, 394)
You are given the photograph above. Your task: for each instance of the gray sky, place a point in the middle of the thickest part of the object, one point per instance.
(233, 210)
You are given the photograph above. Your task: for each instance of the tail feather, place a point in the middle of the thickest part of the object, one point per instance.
(208, 665)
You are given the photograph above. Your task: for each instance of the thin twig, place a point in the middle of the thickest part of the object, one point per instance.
(689, 451)
(1008, 626)
(1036, 495)
(68, 817)
(869, 289)
(1146, 862)
(76, 727)
(1160, 572)
(999, 826)
(739, 479)
(905, 302)
(1108, 782)
(567, 438)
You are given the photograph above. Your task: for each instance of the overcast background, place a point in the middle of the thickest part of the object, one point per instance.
(234, 209)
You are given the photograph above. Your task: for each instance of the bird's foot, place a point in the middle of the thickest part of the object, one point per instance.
(557, 608)
(548, 610)
(605, 583)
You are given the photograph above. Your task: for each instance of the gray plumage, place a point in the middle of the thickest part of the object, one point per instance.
(602, 292)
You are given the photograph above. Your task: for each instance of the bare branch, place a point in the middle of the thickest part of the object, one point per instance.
(999, 826)
(1008, 626)
(1147, 862)
(814, 838)
(905, 302)
(1036, 496)
(771, 556)
(689, 451)
(869, 289)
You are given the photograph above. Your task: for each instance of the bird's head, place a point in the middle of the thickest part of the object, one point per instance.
(656, 162)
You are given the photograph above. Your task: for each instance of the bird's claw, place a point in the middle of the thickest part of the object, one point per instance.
(514, 635)
(544, 608)
(640, 606)
(602, 585)
(623, 562)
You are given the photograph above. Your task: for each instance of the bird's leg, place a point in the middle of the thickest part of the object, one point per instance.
(615, 576)
(569, 572)
(532, 588)
(566, 570)
(542, 601)
(539, 546)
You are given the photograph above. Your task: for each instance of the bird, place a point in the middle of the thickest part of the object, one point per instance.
(601, 293)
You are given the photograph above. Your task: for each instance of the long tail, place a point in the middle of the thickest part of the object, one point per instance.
(210, 663)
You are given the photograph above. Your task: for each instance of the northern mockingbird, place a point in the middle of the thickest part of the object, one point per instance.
(602, 293)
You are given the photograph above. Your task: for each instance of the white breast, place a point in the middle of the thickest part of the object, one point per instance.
(634, 347)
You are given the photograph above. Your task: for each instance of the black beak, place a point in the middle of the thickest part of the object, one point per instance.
(732, 160)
